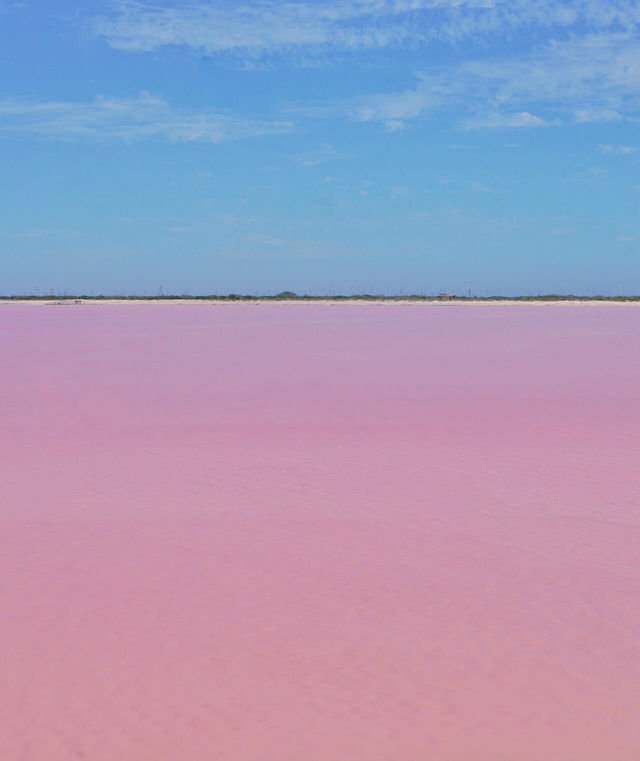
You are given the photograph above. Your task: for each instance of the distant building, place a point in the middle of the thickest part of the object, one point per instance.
(445, 296)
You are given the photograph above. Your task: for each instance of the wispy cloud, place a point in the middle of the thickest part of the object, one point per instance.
(504, 120)
(618, 150)
(38, 233)
(320, 156)
(256, 27)
(480, 188)
(128, 119)
(595, 78)
(588, 71)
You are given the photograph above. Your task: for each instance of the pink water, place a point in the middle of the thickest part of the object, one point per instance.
(319, 533)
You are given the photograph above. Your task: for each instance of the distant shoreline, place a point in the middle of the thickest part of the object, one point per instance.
(326, 300)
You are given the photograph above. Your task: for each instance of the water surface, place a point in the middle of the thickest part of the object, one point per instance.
(320, 533)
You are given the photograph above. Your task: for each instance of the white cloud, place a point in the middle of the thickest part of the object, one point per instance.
(596, 78)
(620, 150)
(320, 156)
(586, 115)
(508, 121)
(146, 116)
(255, 27)
(478, 187)
(395, 108)
(588, 71)
(37, 233)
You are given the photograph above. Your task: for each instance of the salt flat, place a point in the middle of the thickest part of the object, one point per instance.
(320, 533)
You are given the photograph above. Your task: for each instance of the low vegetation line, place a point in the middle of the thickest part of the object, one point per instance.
(291, 296)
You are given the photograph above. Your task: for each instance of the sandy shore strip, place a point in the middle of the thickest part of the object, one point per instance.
(328, 302)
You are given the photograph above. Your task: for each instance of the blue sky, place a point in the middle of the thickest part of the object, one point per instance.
(348, 145)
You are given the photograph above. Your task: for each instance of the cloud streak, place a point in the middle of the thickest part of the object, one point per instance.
(257, 27)
(588, 70)
(251, 28)
(596, 78)
(577, 77)
(618, 150)
(320, 156)
(127, 119)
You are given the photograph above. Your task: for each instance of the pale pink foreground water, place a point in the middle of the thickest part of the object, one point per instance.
(320, 533)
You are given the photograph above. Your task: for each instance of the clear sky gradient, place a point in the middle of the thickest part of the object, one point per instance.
(348, 145)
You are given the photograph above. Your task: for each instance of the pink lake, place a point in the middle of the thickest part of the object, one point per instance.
(319, 533)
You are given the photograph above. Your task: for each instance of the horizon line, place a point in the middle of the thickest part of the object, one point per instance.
(292, 296)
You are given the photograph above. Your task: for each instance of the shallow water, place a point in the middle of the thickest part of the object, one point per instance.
(319, 533)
